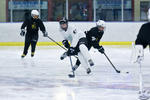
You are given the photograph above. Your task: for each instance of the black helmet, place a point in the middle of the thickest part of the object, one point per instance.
(63, 21)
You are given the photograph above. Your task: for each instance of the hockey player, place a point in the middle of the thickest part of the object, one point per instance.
(142, 41)
(32, 26)
(94, 36)
(78, 43)
(143, 37)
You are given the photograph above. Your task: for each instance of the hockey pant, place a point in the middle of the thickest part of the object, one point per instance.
(30, 40)
(78, 61)
(84, 56)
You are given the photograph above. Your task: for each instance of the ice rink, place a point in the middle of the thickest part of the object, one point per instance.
(45, 77)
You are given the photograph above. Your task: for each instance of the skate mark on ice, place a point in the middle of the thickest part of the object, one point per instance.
(53, 83)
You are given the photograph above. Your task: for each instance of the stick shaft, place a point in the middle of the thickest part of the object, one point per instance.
(71, 65)
(111, 62)
(57, 43)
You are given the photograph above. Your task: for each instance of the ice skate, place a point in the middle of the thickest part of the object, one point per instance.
(23, 55)
(91, 62)
(32, 54)
(88, 71)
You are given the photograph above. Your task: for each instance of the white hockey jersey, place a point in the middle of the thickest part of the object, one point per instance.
(72, 34)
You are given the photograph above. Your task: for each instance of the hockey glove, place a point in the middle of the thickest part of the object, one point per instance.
(45, 34)
(86, 32)
(101, 49)
(66, 43)
(22, 32)
(71, 51)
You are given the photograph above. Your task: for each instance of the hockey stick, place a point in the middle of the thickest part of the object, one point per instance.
(118, 71)
(70, 75)
(111, 63)
(73, 73)
(59, 45)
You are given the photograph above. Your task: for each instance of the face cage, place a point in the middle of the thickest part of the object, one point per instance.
(35, 16)
(62, 27)
(63, 22)
(102, 26)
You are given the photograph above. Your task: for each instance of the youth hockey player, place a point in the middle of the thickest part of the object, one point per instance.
(142, 41)
(94, 36)
(32, 26)
(78, 44)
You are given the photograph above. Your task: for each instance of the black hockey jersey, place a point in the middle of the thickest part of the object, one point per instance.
(143, 37)
(33, 26)
(93, 37)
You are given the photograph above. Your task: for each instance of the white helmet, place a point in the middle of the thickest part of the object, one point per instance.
(148, 14)
(34, 13)
(101, 23)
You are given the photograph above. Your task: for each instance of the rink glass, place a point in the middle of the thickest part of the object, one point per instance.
(75, 10)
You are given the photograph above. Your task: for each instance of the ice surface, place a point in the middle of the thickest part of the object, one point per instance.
(45, 77)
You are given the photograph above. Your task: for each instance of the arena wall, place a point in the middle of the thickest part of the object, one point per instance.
(116, 33)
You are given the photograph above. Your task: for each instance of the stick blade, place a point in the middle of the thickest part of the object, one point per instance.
(118, 71)
(71, 75)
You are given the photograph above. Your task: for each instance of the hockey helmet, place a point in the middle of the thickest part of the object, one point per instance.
(35, 14)
(101, 23)
(63, 21)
